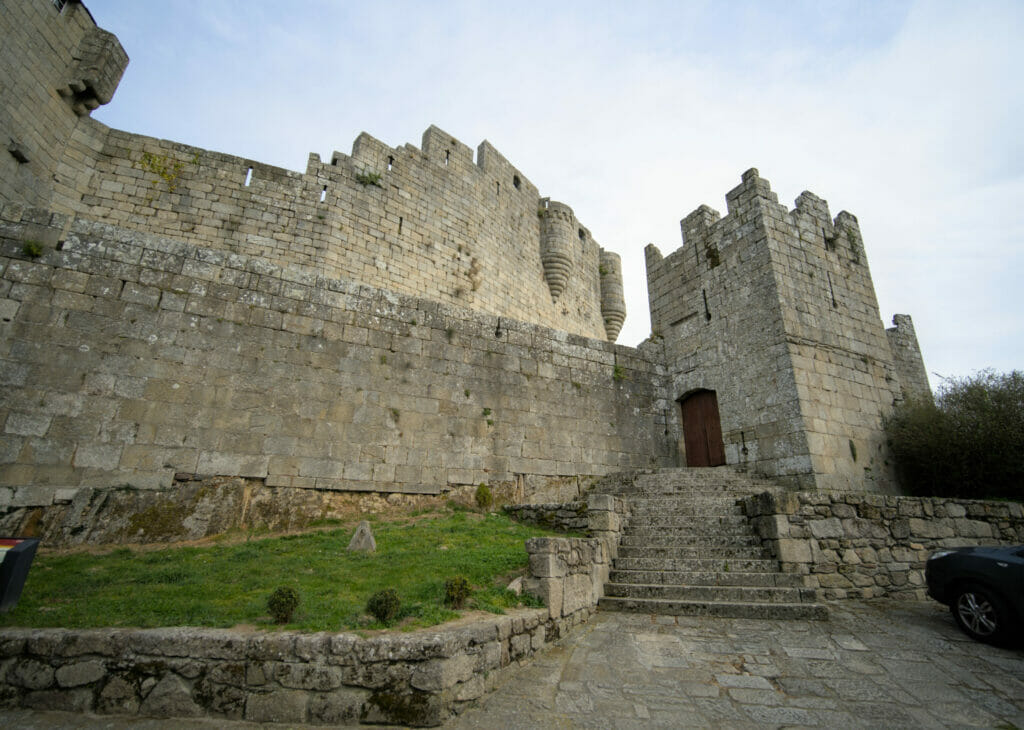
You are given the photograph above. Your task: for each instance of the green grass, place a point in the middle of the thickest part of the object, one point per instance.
(226, 585)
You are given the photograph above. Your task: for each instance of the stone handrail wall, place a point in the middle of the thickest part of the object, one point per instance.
(419, 678)
(569, 573)
(562, 516)
(851, 545)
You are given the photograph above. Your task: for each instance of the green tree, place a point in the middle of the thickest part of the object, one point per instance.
(968, 442)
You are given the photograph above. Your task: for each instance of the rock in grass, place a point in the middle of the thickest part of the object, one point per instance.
(363, 539)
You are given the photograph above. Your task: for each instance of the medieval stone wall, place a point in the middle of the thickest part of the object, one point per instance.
(426, 222)
(128, 357)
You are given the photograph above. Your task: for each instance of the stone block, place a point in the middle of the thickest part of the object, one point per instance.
(280, 706)
(794, 551)
(604, 502)
(827, 528)
(79, 673)
(603, 521)
(171, 697)
(342, 706)
(547, 565)
(440, 674)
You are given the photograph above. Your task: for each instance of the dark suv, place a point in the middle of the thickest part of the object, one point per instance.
(983, 587)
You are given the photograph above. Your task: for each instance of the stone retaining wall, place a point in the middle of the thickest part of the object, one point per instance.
(563, 516)
(863, 545)
(415, 679)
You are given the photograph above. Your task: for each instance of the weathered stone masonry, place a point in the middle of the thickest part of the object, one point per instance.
(129, 357)
(774, 310)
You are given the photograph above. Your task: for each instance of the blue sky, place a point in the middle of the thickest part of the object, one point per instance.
(906, 114)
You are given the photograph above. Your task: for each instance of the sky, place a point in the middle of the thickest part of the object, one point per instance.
(906, 114)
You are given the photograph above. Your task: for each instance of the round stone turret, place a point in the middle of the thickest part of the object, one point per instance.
(557, 237)
(613, 302)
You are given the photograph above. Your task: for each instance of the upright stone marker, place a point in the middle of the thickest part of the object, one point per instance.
(363, 539)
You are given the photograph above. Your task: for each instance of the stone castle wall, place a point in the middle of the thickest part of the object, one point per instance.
(128, 358)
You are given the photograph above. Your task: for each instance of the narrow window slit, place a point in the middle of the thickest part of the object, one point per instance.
(581, 234)
(399, 225)
(831, 291)
(391, 161)
(248, 177)
(497, 187)
(447, 155)
(516, 182)
(323, 194)
(334, 162)
(707, 311)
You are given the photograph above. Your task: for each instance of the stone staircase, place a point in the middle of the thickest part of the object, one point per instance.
(688, 550)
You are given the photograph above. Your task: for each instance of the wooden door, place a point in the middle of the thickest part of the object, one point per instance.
(702, 430)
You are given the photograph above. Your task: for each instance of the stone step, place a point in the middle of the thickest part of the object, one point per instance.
(682, 539)
(730, 525)
(692, 553)
(776, 611)
(684, 510)
(697, 565)
(706, 578)
(717, 594)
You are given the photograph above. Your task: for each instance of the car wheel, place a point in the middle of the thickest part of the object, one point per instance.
(980, 613)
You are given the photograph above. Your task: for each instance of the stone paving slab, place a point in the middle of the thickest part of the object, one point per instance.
(874, 664)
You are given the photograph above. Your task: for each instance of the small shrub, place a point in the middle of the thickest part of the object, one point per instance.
(368, 178)
(384, 605)
(618, 373)
(32, 249)
(483, 496)
(282, 604)
(487, 411)
(456, 591)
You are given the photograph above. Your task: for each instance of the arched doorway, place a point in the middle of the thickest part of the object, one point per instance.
(702, 429)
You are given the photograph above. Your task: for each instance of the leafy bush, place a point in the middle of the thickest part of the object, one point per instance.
(383, 605)
(282, 604)
(456, 591)
(483, 496)
(967, 443)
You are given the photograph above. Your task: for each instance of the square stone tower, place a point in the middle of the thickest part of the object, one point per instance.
(778, 357)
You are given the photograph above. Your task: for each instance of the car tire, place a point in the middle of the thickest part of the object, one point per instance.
(981, 613)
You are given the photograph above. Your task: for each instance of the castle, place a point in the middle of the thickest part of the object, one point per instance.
(394, 320)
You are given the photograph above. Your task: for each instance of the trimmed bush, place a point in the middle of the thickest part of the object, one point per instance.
(384, 605)
(483, 496)
(967, 443)
(456, 591)
(282, 604)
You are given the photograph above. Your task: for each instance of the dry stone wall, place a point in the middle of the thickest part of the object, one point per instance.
(416, 679)
(865, 545)
(127, 358)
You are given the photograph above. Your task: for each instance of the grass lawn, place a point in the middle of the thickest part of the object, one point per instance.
(228, 584)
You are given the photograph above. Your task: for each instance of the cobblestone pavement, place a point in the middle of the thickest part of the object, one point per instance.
(876, 664)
